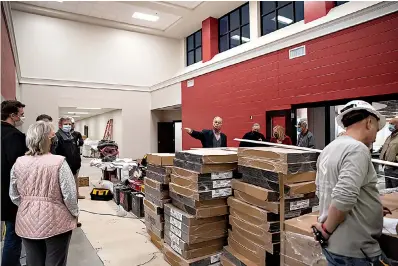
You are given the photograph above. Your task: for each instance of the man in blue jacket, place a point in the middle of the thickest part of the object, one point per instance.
(210, 138)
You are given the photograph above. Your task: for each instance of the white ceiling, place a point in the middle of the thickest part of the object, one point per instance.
(177, 19)
(64, 111)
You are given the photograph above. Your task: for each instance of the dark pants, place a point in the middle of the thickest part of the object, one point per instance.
(337, 260)
(391, 182)
(52, 251)
(12, 246)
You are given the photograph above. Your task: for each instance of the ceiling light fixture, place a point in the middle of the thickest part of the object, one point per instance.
(284, 20)
(237, 37)
(75, 116)
(78, 113)
(139, 15)
(88, 108)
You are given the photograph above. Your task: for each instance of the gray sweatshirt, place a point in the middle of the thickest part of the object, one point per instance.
(347, 179)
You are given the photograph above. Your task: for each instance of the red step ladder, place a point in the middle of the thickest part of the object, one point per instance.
(108, 135)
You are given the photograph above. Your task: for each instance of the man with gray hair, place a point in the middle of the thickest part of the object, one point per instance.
(210, 138)
(306, 138)
(254, 134)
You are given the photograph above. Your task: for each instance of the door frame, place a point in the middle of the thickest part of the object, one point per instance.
(288, 123)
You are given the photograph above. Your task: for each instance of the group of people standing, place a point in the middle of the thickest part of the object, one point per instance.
(39, 188)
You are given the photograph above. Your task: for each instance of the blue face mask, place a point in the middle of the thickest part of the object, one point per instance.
(299, 130)
(391, 127)
(66, 128)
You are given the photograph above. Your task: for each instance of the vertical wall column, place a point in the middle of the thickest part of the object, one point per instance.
(255, 20)
(316, 9)
(209, 39)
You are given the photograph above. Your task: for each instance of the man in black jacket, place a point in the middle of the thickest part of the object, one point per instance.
(210, 138)
(13, 145)
(253, 135)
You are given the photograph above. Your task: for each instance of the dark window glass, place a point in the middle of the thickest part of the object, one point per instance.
(285, 16)
(194, 48)
(234, 28)
(279, 14)
(339, 3)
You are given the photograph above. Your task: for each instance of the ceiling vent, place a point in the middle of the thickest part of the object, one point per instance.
(297, 52)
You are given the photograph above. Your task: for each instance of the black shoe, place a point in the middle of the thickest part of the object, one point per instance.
(79, 224)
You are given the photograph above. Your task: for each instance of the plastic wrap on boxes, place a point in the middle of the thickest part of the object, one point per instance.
(198, 177)
(197, 204)
(208, 156)
(203, 195)
(280, 155)
(175, 259)
(184, 246)
(200, 185)
(205, 168)
(202, 212)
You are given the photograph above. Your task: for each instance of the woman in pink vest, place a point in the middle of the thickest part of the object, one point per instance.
(43, 188)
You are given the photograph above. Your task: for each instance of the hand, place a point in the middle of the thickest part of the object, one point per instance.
(188, 130)
(318, 226)
(386, 211)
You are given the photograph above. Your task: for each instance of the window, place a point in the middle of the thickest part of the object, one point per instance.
(339, 3)
(234, 28)
(276, 15)
(194, 48)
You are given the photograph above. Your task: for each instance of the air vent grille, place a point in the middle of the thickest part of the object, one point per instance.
(297, 52)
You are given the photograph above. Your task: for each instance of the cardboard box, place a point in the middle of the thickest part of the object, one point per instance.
(157, 241)
(197, 204)
(154, 200)
(162, 178)
(200, 185)
(161, 159)
(201, 195)
(156, 220)
(186, 246)
(233, 243)
(390, 201)
(280, 155)
(208, 156)
(252, 210)
(188, 219)
(161, 170)
(197, 177)
(202, 212)
(176, 260)
(192, 239)
(153, 207)
(84, 181)
(196, 229)
(158, 186)
(236, 258)
(257, 222)
(277, 167)
(226, 262)
(255, 191)
(205, 168)
(156, 231)
(152, 188)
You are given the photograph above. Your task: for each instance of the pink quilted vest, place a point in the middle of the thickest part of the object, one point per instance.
(42, 212)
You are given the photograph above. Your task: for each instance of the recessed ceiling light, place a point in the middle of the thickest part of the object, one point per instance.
(78, 113)
(139, 15)
(88, 108)
(75, 116)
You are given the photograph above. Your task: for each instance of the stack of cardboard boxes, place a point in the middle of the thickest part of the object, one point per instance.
(157, 194)
(277, 184)
(196, 220)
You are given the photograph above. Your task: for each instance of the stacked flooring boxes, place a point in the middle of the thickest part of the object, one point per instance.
(276, 184)
(157, 194)
(196, 220)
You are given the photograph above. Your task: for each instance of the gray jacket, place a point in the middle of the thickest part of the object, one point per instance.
(306, 140)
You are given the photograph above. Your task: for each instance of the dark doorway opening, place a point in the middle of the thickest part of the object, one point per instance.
(279, 118)
(166, 141)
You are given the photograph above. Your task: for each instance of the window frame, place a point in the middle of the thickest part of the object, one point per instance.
(277, 7)
(228, 15)
(194, 48)
(339, 3)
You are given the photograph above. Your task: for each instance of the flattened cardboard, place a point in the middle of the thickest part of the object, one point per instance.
(157, 241)
(192, 239)
(188, 219)
(176, 260)
(280, 155)
(197, 177)
(208, 156)
(205, 168)
(236, 258)
(153, 207)
(154, 200)
(197, 204)
(204, 195)
(160, 159)
(202, 212)
(162, 178)
(276, 177)
(200, 186)
(255, 191)
(170, 236)
(277, 167)
(256, 222)
(252, 210)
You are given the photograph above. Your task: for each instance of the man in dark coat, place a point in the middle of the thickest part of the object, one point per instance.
(13, 145)
(210, 138)
(253, 135)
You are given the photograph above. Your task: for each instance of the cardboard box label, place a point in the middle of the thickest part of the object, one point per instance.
(221, 192)
(175, 230)
(221, 183)
(175, 222)
(216, 264)
(176, 214)
(221, 175)
(215, 258)
(301, 204)
(174, 238)
(176, 248)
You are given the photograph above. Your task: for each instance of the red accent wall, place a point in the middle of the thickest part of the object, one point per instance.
(209, 38)
(356, 62)
(316, 9)
(8, 78)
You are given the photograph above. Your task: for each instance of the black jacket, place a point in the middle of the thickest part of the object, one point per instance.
(78, 138)
(69, 149)
(257, 136)
(206, 137)
(13, 145)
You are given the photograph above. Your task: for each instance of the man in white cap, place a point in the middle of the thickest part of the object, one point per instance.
(351, 213)
(389, 152)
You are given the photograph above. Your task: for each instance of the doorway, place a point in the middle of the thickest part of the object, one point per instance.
(166, 137)
(279, 118)
(86, 131)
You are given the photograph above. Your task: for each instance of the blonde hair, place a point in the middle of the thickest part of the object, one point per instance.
(37, 138)
(281, 132)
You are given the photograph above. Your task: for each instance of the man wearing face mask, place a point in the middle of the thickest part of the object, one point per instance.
(389, 152)
(210, 138)
(68, 148)
(306, 138)
(351, 213)
(253, 135)
(13, 145)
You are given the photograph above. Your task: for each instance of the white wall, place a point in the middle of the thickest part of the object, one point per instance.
(167, 96)
(135, 117)
(97, 125)
(56, 49)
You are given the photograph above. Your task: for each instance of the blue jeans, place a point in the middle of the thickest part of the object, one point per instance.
(12, 246)
(337, 260)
